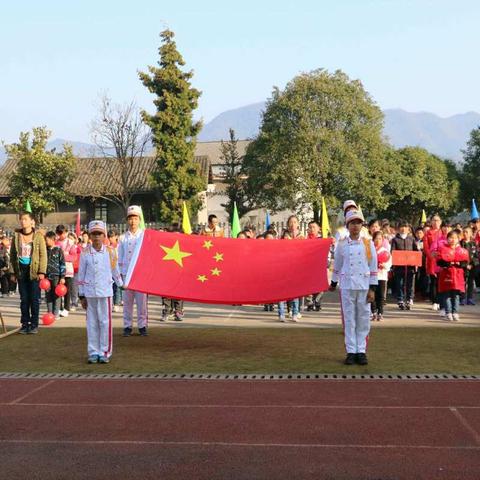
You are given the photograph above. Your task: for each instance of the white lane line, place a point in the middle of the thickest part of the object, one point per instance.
(232, 444)
(207, 406)
(466, 424)
(41, 387)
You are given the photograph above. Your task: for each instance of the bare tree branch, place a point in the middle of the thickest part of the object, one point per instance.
(121, 139)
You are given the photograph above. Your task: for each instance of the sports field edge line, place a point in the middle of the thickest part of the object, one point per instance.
(234, 444)
(242, 376)
(207, 406)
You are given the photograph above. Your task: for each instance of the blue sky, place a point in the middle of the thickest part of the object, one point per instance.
(419, 55)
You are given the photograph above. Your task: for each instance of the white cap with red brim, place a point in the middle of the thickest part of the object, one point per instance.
(96, 226)
(353, 215)
(134, 210)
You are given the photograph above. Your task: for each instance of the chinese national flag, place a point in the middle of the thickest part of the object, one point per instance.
(229, 271)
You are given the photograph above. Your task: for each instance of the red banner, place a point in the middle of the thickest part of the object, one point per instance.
(408, 258)
(229, 271)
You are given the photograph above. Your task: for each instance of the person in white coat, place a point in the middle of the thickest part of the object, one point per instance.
(96, 273)
(355, 268)
(126, 249)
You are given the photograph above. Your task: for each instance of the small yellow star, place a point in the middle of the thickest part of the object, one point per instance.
(202, 278)
(218, 257)
(175, 254)
(216, 272)
(208, 244)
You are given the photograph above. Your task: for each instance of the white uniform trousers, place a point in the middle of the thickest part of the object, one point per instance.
(356, 319)
(99, 326)
(129, 298)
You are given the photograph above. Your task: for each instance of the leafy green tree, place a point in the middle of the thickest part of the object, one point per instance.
(320, 136)
(42, 176)
(234, 178)
(419, 180)
(173, 132)
(470, 174)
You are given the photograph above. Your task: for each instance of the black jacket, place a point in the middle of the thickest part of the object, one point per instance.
(56, 262)
(408, 243)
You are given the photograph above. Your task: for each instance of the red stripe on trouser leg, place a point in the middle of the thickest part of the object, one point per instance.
(343, 320)
(108, 353)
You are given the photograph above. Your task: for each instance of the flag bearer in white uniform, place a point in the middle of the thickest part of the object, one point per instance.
(96, 274)
(126, 248)
(355, 267)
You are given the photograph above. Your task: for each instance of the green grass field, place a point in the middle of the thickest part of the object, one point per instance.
(241, 350)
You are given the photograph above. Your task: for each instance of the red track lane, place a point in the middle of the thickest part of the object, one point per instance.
(182, 429)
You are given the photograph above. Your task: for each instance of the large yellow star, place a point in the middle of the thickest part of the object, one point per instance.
(218, 257)
(216, 272)
(175, 254)
(208, 244)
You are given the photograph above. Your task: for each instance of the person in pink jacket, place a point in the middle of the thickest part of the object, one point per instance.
(70, 253)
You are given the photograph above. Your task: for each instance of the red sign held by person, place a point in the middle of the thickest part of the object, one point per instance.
(406, 258)
(227, 271)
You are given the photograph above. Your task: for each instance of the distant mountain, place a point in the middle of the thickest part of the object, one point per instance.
(443, 136)
(244, 120)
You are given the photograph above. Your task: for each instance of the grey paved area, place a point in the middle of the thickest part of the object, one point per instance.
(254, 316)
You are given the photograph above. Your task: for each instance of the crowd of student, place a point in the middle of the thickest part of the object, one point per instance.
(448, 277)
(446, 283)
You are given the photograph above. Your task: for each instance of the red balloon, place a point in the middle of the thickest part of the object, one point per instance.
(45, 284)
(383, 257)
(48, 318)
(60, 290)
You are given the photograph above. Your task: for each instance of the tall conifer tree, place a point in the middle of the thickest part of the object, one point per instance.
(173, 132)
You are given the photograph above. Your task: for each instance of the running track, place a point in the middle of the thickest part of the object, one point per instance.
(201, 429)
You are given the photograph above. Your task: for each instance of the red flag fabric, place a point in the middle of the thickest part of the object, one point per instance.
(227, 271)
(77, 226)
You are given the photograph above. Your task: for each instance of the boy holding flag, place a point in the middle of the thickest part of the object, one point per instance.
(126, 247)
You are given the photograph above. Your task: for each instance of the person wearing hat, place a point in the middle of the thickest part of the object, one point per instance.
(342, 232)
(355, 268)
(95, 273)
(126, 248)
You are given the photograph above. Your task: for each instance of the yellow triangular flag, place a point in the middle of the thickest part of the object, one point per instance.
(424, 217)
(325, 224)
(186, 227)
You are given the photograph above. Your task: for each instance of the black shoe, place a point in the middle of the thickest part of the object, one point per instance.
(350, 360)
(310, 308)
(143, 331)
(362, 359)
(33, 330)
(401, 306)
(127, 331)
(407, 306)
(318, 308)
(24, 330)
(265, 308)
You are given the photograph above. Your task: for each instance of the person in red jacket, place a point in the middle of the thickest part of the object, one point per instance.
(430, 246)
(452, 259)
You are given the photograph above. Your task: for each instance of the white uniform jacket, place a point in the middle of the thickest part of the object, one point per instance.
(126, 247)
(353, 267)
(96, 273)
